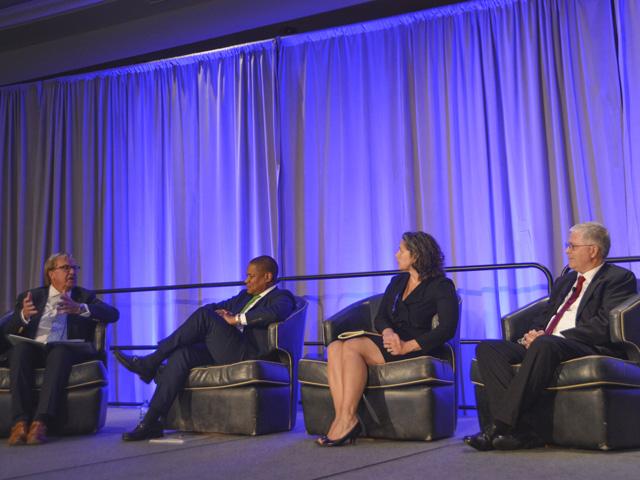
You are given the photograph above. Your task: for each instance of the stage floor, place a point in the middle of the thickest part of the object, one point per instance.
(294, 455)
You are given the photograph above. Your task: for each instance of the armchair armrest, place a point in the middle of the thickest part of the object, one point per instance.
(289, 335)
(100, 337)
(357, 316)
(100, 341)
(4, 343)
(516, 324)
(624, 324)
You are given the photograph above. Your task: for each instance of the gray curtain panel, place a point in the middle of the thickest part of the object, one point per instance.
(494, 125)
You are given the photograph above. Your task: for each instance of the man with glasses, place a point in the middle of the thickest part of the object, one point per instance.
(574, 324)
(56, 312)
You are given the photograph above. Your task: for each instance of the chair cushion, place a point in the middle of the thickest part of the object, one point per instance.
(590, 371)
(237, 374)
(412, 371)
(91, 373)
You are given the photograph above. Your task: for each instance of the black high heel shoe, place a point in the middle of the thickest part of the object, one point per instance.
(348, 439)
(321, 440)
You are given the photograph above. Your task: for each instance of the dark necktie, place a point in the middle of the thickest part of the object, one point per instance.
(570, 301)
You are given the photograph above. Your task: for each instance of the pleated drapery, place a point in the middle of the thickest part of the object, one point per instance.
(494, 125)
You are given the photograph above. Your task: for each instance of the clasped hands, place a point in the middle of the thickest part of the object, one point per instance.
(65, 305)
(528, 338)
(392, 342)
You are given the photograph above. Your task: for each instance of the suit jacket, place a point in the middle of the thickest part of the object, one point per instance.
(411, 318)
(276, 306)
(77, 326)
(611, 286)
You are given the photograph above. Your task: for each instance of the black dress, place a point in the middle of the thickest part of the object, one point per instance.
(411, 318)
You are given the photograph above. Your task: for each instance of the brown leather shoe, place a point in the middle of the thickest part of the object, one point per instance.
(18, 434)
(37, 433)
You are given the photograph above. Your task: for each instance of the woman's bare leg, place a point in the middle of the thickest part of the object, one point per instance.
(357, 353)
(334, 371)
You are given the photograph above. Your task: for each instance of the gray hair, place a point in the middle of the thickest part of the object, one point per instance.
(596, 233)
(50, 264)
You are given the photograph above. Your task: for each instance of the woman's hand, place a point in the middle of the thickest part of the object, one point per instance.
(395, 346)
(391, 342)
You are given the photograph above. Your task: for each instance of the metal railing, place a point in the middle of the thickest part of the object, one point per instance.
(298, 278)
(333, 276)
(328, 276)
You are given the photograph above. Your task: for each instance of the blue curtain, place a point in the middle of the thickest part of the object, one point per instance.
(157, 174)
(495, 125)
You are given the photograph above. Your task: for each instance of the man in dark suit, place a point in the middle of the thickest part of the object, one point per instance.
(218, 333)
(574, 324)
(58, 311)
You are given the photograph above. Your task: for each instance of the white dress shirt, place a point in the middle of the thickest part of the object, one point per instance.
(53, 325)
(568, 320)
(242, 317)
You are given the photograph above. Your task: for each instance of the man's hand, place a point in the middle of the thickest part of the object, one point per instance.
(28, 308)
(530, 336)
(68, 305)
(227, 316)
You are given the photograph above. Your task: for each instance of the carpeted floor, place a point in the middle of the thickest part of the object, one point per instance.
(294, 455)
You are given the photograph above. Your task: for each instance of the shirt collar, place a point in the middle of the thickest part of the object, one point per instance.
(265, 292)
(53, 291)
(588, 276)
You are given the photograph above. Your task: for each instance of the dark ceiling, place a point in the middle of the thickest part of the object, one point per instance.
(33, 24)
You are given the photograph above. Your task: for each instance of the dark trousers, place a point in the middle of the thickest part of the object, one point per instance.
(57, 363)
(512, 395)
(203, 339)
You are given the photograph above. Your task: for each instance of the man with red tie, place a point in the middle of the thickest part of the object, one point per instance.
(574, 324)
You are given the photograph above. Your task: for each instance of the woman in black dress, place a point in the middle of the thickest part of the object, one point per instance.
(404, 320)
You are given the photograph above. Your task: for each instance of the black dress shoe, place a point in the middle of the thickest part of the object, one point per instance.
(144, 431)
(517, 441)
(136, 365)
(480, 441)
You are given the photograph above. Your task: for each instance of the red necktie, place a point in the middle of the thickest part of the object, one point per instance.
(574, 296)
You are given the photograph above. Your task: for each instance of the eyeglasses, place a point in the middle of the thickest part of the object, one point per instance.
(573, 246)
(67, 268)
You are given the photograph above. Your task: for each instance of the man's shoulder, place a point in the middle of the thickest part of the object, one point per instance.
(613, 270)
(35, 292)
(81, 293)
(607, 271)
(279, 293)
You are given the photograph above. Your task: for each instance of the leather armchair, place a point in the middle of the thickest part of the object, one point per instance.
(594, 401)
(84, 409)
(251, 397)
(413, 399)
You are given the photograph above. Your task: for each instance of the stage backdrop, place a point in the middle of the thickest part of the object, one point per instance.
(494, 125)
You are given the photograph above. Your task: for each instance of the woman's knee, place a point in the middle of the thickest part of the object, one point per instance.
(334, 349)
(358, 346)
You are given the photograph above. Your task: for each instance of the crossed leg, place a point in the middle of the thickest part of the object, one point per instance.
(347, 372)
